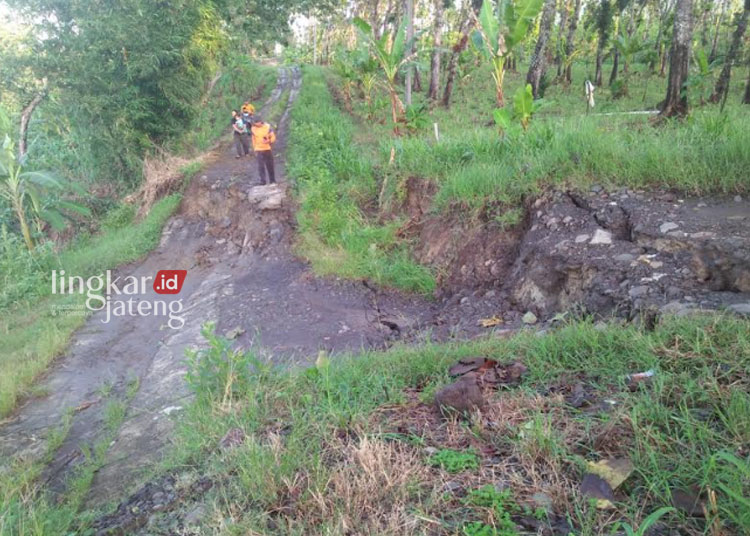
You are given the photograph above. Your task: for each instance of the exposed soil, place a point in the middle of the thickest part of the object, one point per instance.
(597, 252)
(601, 252)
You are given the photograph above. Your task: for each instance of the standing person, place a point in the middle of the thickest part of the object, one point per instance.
(248, 111)
(249, 108)
(241, 142)
(263, 139)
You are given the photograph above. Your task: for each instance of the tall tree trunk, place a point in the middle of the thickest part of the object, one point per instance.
(663, 61)
(417, 86)
(665, 8)
(374, 18)
(570, 40)
(657, 46)
(315, 41)
(409, 14)
(598, 73)
(25, 119)
(615, 67)
(746, 99)
(459, 47)
(722, 83)
(564, 14)
(538, 60)
(704, 21)
(719, 21)
(437, 38)
(386, 17)
(676, 101)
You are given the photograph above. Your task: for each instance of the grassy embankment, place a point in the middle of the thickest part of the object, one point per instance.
(336, 185)
(351, 170)
(354, 446)
(32, 333)
(475, 167)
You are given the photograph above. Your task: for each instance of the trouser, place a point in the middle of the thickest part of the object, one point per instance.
(242, 144)
(265, 163)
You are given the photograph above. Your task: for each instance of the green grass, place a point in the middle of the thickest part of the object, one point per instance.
(475, 167)
(454, 461)
(564, 147)
(277, 109)
(351, 171)
(334, 181)
(324, 437)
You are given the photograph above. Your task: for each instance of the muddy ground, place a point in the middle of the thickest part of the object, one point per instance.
(599, 252)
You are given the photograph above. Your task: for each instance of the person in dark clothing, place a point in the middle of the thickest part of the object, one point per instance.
(263, 139)
(240, 130)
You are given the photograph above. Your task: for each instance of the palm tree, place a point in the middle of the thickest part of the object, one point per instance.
(538, 60)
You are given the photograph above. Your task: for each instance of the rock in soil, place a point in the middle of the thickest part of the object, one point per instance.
(463, 396)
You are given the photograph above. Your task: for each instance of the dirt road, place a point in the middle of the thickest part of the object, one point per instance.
(234, 238)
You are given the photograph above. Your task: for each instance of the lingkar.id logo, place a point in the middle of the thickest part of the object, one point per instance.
(103, 293)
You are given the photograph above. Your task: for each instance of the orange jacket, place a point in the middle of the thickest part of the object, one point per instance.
(263, 137)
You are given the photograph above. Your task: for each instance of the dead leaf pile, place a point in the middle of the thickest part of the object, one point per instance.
(490, 372)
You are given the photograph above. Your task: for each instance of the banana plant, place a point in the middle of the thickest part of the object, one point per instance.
(391, 53)
(524, 107)
(23, 191)
(498, 34)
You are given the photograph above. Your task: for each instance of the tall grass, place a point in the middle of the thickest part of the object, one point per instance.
(474, 165)
(706, 155)
(334, 180)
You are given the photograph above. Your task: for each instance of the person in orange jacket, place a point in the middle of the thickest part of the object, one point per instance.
(263, 139)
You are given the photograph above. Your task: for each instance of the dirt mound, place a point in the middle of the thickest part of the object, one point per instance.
(241, 216)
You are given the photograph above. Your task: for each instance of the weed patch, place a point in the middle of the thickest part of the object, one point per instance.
(454, 461)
